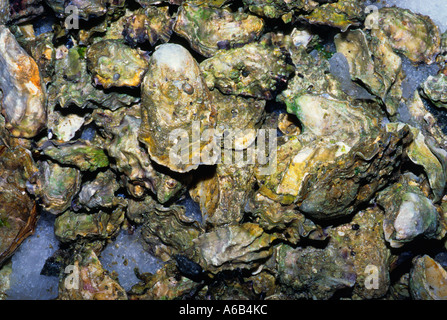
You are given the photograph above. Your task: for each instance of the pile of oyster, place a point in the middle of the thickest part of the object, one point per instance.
(113, 113)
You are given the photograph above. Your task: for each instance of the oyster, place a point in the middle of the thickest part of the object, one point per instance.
(164, 284)
(425, 153)
(151, 24)
(314, 273)
(4, 11)
(71, 226)
(409, 213)
(176, 103)
(114, 64)
(72, 85)
(254, 70)
(341, 14)
(100, 193)
(146, 3)
(169, 231)
(18, 211)
(86, 279)
(230, 247)
(55, 186)
(238, 113)
(413, 35)
(272, 216)
(279, 8)
(24, 10)
(300, 177)
(209, 29)
(23, 103)
(434, 88)
(427, 279)
(355, 47)
(223, 193)
(369, 252)
(85, 9)
(80, 153)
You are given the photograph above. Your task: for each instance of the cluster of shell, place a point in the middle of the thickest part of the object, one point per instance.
(355, 206)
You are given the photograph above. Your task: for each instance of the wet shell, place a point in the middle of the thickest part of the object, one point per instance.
(428, 279)
(176, 109)
(18, 211)
(414, 35)
(210, 29)
(55, 186)
(114, 64)
(23, 103)
(254, 70)
(151, 24)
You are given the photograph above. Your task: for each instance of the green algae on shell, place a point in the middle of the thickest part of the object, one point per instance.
(210, 29)
(115, 64)
(254, 70)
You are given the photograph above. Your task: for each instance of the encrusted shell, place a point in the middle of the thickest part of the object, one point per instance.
(435, 89)
(55, 186)
(23, 103)
(151, 24)
(254, 70)
(18, 211)
(114, 64)
(210, 29)
(176, 108)
(428, 279)
(414, 35)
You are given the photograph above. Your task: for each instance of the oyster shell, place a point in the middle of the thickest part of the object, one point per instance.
(369, 252)
(72, 85)
(55, 186)
(427, 279)
(223, 194)
(114, 64)
(4, 11)
(86, 279)
(423, 153)
(240, 114)
(80, 153)
(23, 103)
(85, 9)
(290, 224)
(169, 231)
(409, 213)
(18, 211)
(413, 35)
(164, 284)
(314, 273)
(341, 14)
(175, 101)
(24, 10)
(71, 226)
(100, 193)
(153, 24)
(434, 89)
(378, 75)
(209, 29)
(254, 70)
(280, 8)
(230, 247)
(323, 145)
